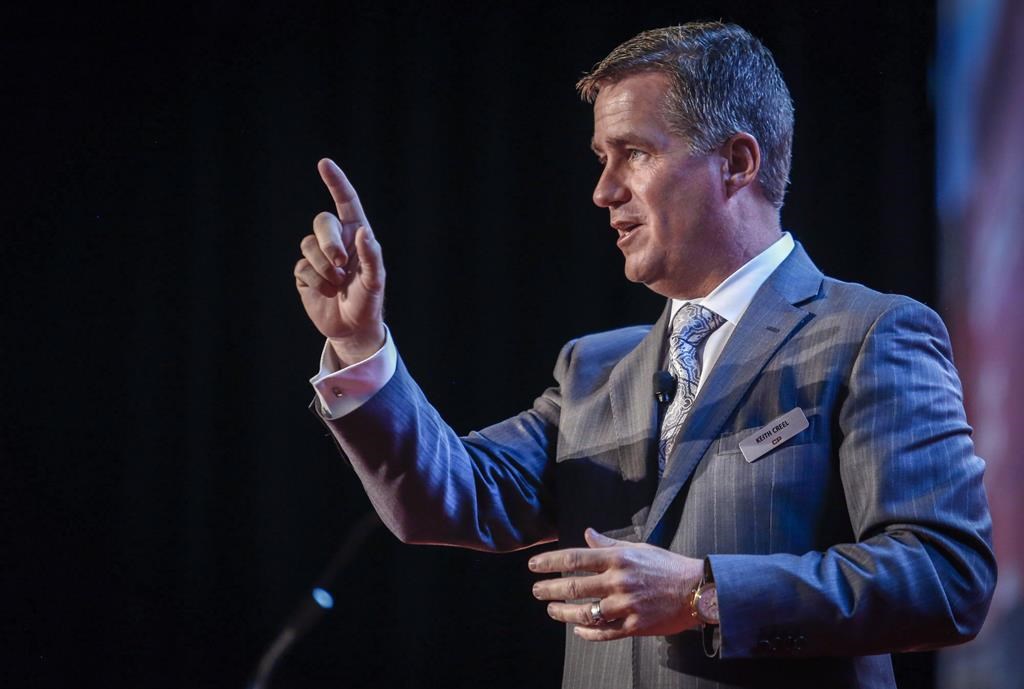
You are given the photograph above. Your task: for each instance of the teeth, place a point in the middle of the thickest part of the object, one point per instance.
(625, 231)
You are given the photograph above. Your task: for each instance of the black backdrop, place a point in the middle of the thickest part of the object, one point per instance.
(168, 496)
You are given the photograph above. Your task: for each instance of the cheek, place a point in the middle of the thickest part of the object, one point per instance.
(660, 198)
(694, 200)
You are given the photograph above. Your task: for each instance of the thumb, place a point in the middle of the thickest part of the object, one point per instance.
(370, 260)
(599, 540)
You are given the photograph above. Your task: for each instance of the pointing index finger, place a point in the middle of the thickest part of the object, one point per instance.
(344, 194)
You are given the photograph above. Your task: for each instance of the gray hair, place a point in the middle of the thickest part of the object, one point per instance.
(724, 81)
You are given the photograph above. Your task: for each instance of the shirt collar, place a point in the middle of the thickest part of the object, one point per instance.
(734, 294)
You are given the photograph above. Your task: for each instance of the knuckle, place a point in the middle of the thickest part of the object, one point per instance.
(572, 589)
(308, 242)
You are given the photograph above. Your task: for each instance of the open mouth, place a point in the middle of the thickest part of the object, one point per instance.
(625, 233)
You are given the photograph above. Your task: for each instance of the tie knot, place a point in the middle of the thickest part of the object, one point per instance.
(693, 323)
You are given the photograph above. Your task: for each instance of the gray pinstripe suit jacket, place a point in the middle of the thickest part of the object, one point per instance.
(867, 533)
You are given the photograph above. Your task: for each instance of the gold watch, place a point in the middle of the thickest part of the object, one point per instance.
(704, 602)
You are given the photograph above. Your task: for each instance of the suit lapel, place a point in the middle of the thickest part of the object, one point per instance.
(766, 325)
(634, 412)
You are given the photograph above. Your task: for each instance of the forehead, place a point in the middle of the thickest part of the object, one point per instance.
(633, 106)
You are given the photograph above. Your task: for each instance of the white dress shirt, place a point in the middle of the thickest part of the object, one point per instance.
(732, 297)
(341, 392)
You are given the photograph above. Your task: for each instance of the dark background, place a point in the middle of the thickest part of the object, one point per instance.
(169, 498)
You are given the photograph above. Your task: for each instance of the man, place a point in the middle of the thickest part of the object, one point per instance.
(807, 502)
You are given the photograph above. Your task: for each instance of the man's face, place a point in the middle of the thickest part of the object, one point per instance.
(664, 202)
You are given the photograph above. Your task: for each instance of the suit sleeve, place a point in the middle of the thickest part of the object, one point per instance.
(490, 490)
(921, 571)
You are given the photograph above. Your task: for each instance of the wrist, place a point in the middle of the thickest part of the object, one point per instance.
(358, 347)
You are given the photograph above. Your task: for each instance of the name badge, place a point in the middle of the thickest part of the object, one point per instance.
(773, 434)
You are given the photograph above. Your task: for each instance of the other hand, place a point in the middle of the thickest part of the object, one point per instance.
(644, 590)
(340, 276)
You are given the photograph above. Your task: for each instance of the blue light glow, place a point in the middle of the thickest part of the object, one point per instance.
(323, 598)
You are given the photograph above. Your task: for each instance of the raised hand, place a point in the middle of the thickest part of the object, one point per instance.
(643, 590)
(340, 276)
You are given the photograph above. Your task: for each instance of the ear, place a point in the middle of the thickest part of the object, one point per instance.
(741, 161)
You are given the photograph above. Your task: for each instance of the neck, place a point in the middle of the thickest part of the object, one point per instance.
(722, 260)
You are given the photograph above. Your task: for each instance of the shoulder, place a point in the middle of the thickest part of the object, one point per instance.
(588, 360)
(847, 323)
(609, 344)
(852, 306)
(865, 333)
(849, 307)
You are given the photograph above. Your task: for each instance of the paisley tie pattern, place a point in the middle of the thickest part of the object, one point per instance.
(690, 327)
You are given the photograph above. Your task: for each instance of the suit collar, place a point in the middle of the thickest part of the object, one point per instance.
(797, 280)
(731, 298)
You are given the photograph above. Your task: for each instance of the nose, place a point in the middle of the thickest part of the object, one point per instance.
(610, 191)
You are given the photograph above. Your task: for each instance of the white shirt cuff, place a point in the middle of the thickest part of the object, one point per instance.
(341, 392)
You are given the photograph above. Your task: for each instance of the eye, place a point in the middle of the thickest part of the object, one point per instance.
(636, 154)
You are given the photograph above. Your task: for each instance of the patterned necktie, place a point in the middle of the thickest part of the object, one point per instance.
(690, 327)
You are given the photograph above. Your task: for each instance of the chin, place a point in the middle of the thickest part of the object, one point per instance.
(633, 276)
(641, 274)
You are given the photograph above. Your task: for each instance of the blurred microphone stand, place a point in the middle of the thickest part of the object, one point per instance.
(316, 605)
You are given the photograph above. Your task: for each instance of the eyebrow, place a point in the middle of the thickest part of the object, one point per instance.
(619, 142)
